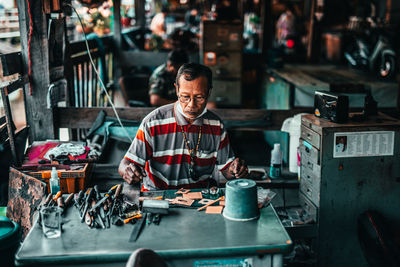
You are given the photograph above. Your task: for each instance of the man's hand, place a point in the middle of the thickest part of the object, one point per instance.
(130, 172)
(237, 169)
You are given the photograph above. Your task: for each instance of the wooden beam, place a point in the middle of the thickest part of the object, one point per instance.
(84, 117)
(39, 118)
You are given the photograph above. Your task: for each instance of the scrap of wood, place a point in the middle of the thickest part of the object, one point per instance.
(193, 195)
(205, 206)
(183, 201)
(222, 203)
(182, 191)
(214, 209)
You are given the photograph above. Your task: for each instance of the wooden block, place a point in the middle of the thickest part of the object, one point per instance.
(183, 201)
(214, 209)
(182, 191)
(222, 203)
(193, 195)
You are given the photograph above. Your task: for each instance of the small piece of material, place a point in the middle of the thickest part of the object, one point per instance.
(182, 191)
(193, 195)
(214, 209)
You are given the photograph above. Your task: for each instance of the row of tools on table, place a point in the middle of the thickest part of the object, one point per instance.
(100, 211)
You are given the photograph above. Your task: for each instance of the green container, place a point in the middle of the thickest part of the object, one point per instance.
(241, 200)
(9, 240)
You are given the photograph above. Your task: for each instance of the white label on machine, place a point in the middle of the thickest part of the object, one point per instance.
(363, 144)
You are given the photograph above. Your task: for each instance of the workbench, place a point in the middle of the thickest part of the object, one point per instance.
(185, 237)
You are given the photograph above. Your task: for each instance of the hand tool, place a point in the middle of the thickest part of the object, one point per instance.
(48, 199)
(78, 198)
(209, 204)
(64, 205)
(154, 208)
(137, 228)
(57, 196)
(89, 195)
(96, 192)
(106, 196)
(137, 216)
(69, 199)
(116, 196)
(60, 203)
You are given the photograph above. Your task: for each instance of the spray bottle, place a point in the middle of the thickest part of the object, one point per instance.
(276, 162)
(54, 181)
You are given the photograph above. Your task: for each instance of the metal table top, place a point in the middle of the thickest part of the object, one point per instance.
(183, 233)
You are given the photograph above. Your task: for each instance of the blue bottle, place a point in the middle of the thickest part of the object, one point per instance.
(54, 181)
(276, 162)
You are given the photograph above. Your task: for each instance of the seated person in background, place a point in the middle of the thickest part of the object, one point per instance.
(192, 19)
(161, 83)
(157, 25)
(179, 145)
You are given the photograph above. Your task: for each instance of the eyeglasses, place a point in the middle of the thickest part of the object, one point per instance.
(197, 99)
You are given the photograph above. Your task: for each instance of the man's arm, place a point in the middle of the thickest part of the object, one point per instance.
(131, 172)
(157, 100)
(237, 169)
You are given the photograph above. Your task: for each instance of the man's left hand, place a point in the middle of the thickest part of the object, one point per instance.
(238, 169)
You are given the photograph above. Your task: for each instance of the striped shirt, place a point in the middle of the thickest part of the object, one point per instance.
(160, 147)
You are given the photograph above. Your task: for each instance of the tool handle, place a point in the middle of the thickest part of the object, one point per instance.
(60, 202)
(69, 199)
(80, 195)
(118, 191)
(111, 190)
(96, 192)
(133, 217)
(57, 196)
(209, 204)
(48, 199)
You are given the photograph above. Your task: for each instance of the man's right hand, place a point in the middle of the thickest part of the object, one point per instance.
(131, 172)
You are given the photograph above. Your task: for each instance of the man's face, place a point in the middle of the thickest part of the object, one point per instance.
(197, 91)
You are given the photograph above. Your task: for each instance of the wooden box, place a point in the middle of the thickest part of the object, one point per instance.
(71, 181)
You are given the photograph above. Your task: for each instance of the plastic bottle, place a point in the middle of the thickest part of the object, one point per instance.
(54, 181)
(276, 162)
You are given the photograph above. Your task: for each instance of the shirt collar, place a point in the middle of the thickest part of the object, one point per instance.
(180, 116)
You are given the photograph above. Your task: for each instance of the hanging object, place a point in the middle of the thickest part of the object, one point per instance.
(91, 3)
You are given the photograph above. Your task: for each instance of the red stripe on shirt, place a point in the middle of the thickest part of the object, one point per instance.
(173, 128)
(224, 143)
(181, 158)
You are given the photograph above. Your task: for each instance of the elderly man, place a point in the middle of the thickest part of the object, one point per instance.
(179, 145)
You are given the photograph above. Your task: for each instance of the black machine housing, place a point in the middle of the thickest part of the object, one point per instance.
(331, 106)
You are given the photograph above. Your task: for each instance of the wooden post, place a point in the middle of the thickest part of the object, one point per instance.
(311, 31)
(266, 27)
(39, 118)
(117, 44)
(140, 13)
